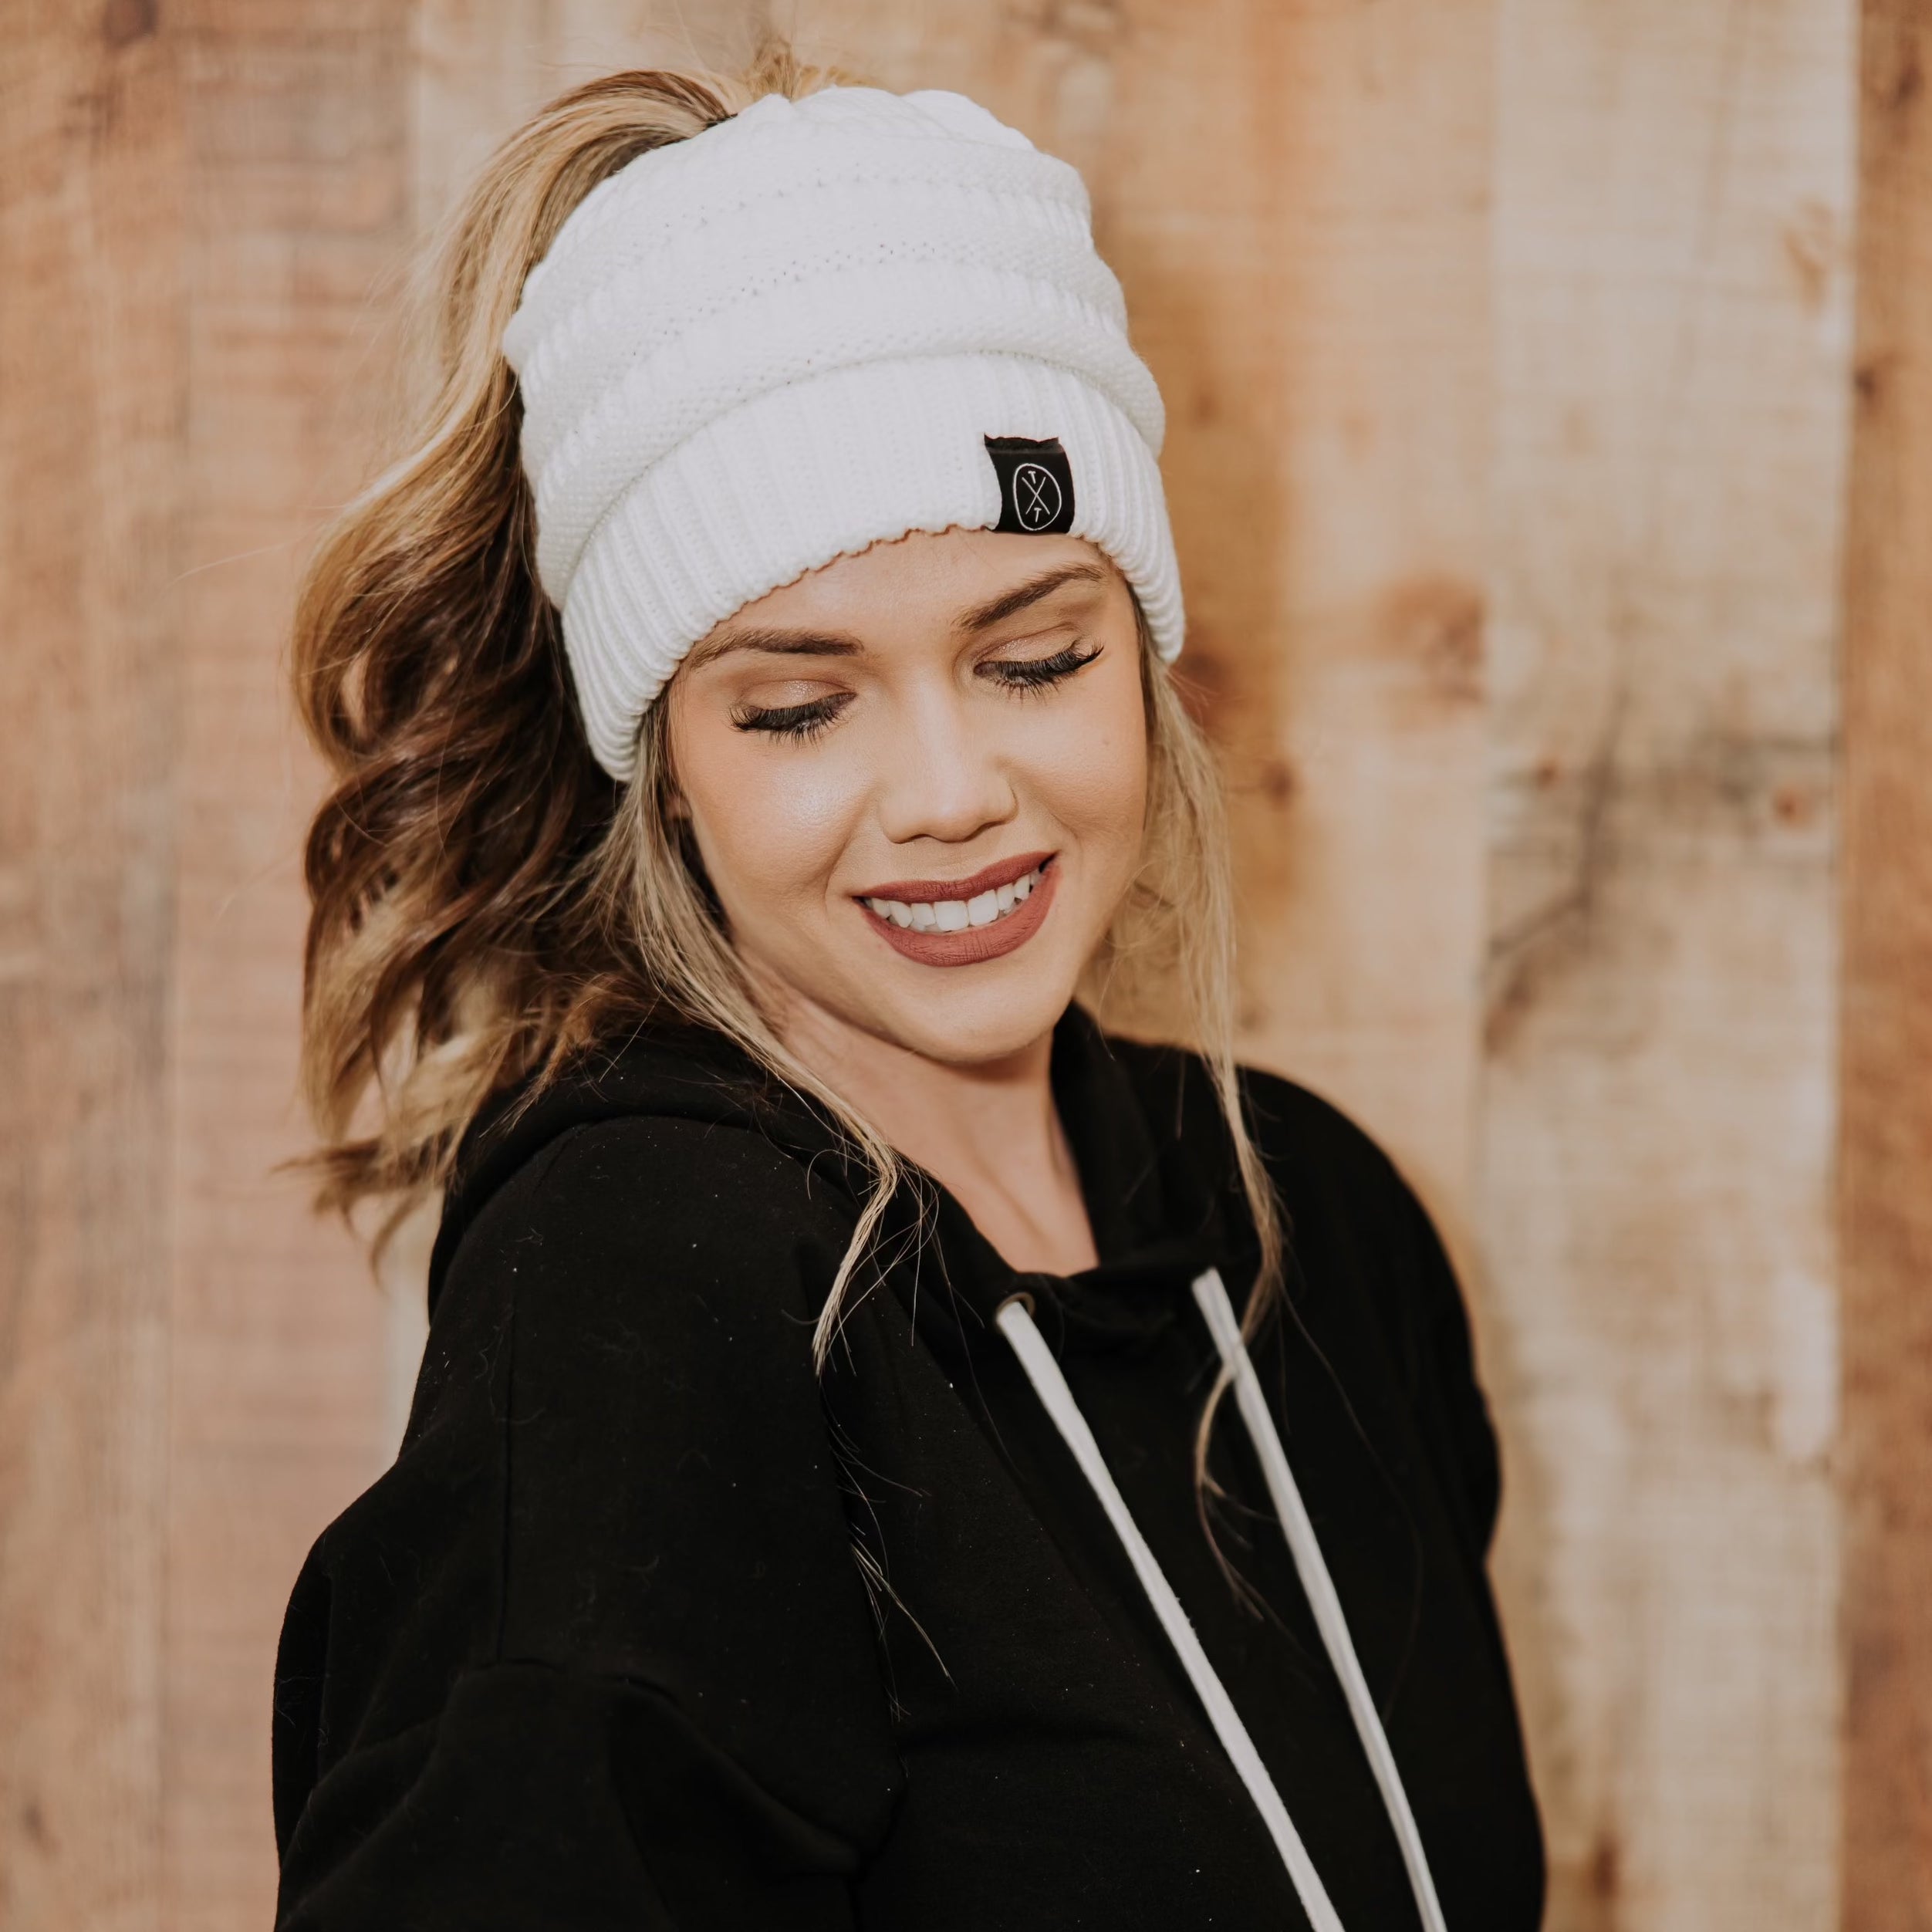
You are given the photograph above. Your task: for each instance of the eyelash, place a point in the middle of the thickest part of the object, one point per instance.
(1039, 674)
(802, 723)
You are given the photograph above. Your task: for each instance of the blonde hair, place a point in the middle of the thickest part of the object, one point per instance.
(485, 902)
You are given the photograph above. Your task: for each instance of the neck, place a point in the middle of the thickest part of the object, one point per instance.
(988, 1132)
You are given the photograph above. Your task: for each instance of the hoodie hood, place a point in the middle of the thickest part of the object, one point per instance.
(1154, 1162)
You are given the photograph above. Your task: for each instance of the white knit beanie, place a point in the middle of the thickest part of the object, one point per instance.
(820, 324)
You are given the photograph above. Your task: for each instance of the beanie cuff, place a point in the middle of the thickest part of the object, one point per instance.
(784, 483)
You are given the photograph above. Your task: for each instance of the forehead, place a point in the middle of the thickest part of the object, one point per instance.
(924, 580)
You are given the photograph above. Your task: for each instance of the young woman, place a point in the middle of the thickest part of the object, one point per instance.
(749, 704)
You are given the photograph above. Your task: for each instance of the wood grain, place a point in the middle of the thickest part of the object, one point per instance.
(299, 179)
(1673, 196)
(92, 377)
(1885, 1142)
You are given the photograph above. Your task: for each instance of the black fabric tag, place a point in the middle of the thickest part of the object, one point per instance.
(1035, 485)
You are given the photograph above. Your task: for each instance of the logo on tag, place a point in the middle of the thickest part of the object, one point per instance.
(1035, 485)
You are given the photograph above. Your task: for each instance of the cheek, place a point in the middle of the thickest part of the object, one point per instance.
(771, 818)
(1091, 770)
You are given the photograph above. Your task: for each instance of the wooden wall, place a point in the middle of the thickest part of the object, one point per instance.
(1509, 348)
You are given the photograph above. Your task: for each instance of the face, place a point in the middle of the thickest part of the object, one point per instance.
(916, 777)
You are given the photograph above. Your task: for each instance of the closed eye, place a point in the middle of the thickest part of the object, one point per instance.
(791, 721)
(1038, 674)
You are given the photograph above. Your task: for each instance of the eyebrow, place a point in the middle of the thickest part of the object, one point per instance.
(783, 643)
(817, 643)
(1012, 602)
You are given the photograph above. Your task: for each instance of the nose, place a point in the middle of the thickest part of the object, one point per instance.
(944, 777)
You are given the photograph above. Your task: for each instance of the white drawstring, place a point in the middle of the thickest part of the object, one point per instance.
(1320, 1589)
(1016, 1322)
(1050, 1385)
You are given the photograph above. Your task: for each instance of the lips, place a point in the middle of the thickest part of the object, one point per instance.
(962, 922)
(1001, 872)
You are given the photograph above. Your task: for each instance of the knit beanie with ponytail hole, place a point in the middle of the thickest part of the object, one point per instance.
(821, 324)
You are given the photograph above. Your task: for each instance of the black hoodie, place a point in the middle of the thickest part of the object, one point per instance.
(650, 1626)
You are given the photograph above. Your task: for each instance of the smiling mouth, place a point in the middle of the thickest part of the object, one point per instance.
(966, 922)
(986, 908)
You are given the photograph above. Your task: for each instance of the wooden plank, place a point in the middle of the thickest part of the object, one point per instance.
(299, 169)
(1885, 1138)
(1675, 189)
(90, 382)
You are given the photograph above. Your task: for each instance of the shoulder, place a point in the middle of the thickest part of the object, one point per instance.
(667, 1185)
(617, 1466)
(1317, 1153)
(662, 1414)
(633, 1287)
(1355, 1227)
(624, 1244)
(675, 1142)
(1314, 1147)
(617, 1402)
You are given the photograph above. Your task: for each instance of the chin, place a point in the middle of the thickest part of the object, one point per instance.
(974, 1014)
(971, 1015)
(971, 1032)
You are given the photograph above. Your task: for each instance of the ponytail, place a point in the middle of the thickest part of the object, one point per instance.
(465, 928)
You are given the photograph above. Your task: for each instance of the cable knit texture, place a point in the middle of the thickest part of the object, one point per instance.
(789, 337)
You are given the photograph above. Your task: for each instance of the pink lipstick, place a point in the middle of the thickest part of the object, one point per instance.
(962, 922)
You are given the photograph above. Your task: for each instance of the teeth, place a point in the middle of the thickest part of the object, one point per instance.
(956, 915)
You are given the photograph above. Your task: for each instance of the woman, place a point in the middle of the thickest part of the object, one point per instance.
(750, 706)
